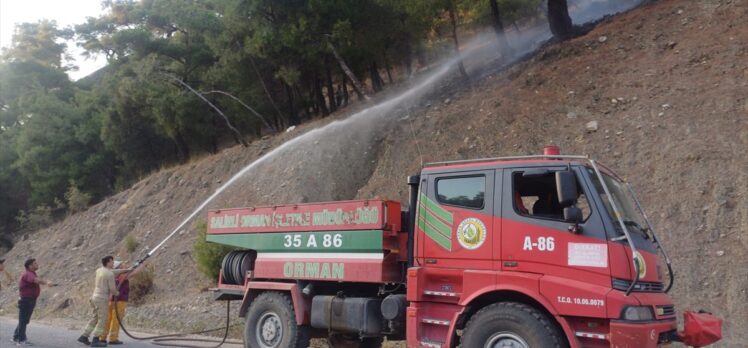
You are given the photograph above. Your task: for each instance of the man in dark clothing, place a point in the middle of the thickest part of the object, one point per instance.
(29, 289)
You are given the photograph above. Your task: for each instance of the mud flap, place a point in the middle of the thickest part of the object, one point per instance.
(700, 329)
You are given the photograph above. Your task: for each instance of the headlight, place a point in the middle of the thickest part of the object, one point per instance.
(637, 313)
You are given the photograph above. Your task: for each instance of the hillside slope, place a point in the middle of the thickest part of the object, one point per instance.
(667, 84)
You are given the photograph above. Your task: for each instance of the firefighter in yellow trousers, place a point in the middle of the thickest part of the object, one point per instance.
(117, 307)
(104, 290)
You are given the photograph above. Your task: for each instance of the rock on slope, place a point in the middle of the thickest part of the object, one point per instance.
(667, 85)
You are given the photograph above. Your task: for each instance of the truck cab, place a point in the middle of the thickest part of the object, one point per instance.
(544, 232)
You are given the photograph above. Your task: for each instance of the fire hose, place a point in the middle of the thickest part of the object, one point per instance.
(161, 340)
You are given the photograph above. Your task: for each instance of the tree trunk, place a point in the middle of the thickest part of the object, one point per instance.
(559, 19)
(279, 122)
(376, 80)
(214, 136)
(308, 106)
(330, 88)
(293, 118)
(346, 96)
(498, 27)
(453, 21)
(408, 59)
(320, 98)
(313, 107)
(356, 84)
(264, 87)
(388, 68)
(184, 149)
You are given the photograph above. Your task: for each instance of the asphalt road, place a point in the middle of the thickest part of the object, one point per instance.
(48, 336)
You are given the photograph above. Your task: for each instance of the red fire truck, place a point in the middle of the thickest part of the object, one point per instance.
(532, 251)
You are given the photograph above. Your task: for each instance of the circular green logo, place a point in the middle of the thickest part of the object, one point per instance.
(471, 233)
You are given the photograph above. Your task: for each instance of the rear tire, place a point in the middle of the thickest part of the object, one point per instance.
(271, 323)
(511, 324)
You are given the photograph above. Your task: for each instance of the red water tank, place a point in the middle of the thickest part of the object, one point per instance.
(551, 150)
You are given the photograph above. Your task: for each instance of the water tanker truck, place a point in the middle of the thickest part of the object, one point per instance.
(534, 252)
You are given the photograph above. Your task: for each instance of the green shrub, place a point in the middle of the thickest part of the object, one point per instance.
(208, 256)
(77, 200)
(38, 218)
(141, 284)
(130, 243)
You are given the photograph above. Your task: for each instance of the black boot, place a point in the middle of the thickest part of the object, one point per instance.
(84, 340)
(96, 343)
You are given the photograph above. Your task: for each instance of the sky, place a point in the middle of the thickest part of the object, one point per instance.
(65, 12)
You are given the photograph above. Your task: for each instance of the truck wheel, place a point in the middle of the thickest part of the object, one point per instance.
(271, 323)
(511, 324)
(343, 341)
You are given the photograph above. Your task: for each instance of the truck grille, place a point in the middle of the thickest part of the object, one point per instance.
(666, 310)
(623, 285)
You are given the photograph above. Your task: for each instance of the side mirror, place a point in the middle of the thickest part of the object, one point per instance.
(573, 215)
(566, 185)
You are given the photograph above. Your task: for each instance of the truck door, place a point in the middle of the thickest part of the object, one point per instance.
(455, 220)
(536, 239)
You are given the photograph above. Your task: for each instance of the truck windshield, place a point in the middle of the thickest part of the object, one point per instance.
(631, 216)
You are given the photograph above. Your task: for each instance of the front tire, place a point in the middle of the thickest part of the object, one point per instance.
(511, 324)
(271, 323)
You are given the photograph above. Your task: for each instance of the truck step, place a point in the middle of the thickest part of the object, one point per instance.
(431, 344)
(441, 293)
(435, 321)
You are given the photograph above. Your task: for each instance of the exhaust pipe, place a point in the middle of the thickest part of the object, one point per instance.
(413, 182)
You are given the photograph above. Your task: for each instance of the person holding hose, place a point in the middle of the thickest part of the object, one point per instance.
(117, 307)
(105, 288)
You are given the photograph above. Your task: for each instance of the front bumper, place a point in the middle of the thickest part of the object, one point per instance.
(628, 334)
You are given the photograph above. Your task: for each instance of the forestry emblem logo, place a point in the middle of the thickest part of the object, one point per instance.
(471, 233)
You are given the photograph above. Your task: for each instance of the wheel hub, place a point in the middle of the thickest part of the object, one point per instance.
(269, 330)
(506, 340)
